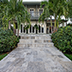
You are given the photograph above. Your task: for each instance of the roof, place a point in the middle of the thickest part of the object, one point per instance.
(31, 3)
(32, 0)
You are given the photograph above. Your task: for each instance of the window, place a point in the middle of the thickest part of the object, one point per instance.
(40, 11)
(32, 12)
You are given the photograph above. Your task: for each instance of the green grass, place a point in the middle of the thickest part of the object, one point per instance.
(2, 56)
(69, 56)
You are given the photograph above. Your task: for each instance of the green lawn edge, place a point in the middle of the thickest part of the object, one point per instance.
(2, 56)
(69, 56)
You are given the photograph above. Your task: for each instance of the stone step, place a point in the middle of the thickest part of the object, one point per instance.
(35, 41)
(35, 37)
(35, 45)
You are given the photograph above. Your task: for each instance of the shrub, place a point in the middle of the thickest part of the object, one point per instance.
(63, 39)
(8, 40)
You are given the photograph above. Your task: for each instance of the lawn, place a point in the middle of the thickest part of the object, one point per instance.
(69, 56)
(2, 56)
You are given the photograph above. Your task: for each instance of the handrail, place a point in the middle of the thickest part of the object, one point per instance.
(35, 14)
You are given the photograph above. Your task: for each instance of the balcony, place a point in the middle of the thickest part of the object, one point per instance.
(35, 15)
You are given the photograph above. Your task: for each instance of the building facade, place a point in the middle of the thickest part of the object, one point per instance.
(35, 11)
(36, 28)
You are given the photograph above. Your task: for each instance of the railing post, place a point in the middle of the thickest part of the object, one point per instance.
(22, 28)
(44, 28)
(41, 29)
(28, 30)
(31, 29)
(35, 30)
(38, 30)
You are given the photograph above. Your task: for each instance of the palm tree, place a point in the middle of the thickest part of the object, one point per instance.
(47, 12)
(3, 5)
(70, 8)
(16, 12)
(56, 8)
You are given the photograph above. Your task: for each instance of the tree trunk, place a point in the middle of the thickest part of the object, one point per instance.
(55, 25)
(9, 25)
(51, 23)
(18, 33)
(14, 30)
(63, 24)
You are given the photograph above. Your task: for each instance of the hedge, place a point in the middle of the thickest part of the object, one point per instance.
(63, 39)
(8, 40)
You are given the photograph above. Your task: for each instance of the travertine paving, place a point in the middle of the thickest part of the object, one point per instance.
(36, 59)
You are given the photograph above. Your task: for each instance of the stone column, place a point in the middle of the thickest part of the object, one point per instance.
(48, 29)
(38, 30)
(19, 31)
(41, 29)
(22, 28)
(35, 30)
(25, 31)
(44, 27)
(31, 29)
(28, 30)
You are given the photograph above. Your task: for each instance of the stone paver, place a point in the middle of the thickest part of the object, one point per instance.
(36, 59)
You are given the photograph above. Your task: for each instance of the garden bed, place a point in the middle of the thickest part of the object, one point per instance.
(8, 42)
(3, 55)
(69, 56)
(62, 39)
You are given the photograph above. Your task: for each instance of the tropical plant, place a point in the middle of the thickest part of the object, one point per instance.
(8, 40)
(56, 8)
(46, 13)
(63, 39)
(70, 8)
(36, 27)
(16, 12)
(3, 5)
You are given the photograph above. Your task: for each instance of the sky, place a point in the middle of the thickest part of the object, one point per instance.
(32, 0)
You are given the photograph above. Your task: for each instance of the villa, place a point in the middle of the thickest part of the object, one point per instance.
(35, 11)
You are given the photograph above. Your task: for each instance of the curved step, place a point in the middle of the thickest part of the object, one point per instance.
(35, 45)
(35, 41)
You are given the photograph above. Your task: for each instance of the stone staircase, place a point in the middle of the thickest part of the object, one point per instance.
(35, 41)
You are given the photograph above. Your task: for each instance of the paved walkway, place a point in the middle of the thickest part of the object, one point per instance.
(36, 60)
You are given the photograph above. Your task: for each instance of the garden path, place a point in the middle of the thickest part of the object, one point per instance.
(36, 59)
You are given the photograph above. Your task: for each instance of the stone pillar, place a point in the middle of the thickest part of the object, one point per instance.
(38, 30)
(19, 31)
(35, 30)
(28, 30)
(22, 28)
(48, 29)
(41, 29)
(31, 29)
(44, 27)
